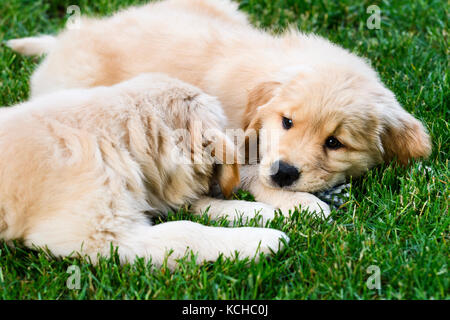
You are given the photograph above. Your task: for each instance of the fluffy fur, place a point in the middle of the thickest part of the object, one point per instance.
(259, 78)
(83, 169)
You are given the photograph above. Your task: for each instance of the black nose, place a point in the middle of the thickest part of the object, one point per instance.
(284, 173)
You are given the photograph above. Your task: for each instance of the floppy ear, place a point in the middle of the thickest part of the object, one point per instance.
(224, 152)
(228, 178)
(257, 97)
(404, 137)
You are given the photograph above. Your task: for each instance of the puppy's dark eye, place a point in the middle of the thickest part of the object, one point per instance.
(287, 123)
(333, 143)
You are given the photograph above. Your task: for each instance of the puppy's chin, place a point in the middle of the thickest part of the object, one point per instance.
(267, 181)
(295, 187)
(303, 185)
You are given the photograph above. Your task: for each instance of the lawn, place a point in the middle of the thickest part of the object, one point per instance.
(396, 219)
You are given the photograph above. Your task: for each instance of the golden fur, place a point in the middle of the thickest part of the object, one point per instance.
(259, 78)
(83, 168)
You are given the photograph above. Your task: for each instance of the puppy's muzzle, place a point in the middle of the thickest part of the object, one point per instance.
(284, 174)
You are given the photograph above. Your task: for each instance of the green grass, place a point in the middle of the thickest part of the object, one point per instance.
(396, 219)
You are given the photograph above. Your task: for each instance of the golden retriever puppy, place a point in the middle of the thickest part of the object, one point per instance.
(325, 109)
(83, 169)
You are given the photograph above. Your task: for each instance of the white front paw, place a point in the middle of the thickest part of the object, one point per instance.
(318, 209)
(261, 240)
(311, 203)
(250, 210)
(273, 241)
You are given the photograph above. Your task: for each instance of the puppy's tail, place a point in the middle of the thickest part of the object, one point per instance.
(33, 45)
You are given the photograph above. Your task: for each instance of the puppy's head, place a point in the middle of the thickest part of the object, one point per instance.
(320, 125)
(195, 124)
(203, 136)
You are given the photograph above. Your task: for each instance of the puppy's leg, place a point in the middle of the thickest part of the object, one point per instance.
(179, 237)
(91, 234)
(233, 210)
(135, 237)
(282, 199)
(287, 200)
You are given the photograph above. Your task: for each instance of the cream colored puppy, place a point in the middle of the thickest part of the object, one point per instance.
(85, 168)
(332, 115)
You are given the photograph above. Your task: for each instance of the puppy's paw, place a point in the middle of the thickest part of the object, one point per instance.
(260, 240)
(261, 211)
(309, 202)
(273, 241)
(318, 209)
